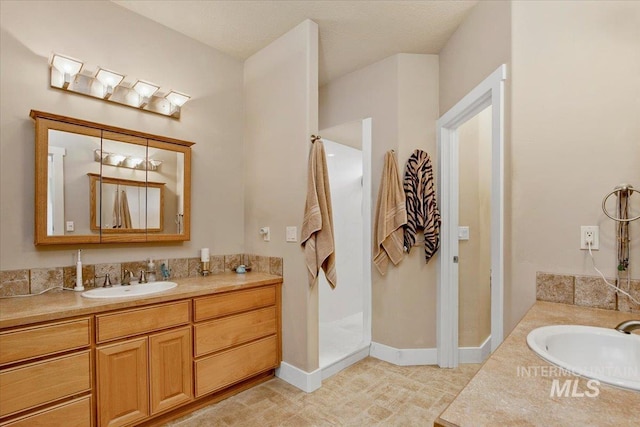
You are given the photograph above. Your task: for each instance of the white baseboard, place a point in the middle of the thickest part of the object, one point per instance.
(475, 354)
(404, 356)
(311, 381)
(305, 381)
(344, 363)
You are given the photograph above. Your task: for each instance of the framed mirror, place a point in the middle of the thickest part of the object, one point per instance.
(99, 184)
(123, 205)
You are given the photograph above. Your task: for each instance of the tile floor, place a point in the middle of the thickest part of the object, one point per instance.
(369, 393)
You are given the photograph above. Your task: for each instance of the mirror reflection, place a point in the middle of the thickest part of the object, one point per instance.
(70, 158)
(126, 205)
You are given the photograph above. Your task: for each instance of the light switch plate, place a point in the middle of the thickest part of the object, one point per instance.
(292, 234)
(70, 226)
(463, 233)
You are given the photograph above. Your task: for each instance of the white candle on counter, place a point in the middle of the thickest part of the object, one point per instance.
(204, 254)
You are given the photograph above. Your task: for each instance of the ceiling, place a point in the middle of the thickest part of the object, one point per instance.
(353, 34)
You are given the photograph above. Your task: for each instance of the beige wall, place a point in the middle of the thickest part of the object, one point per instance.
(281, 110)
(576, 135)
(474, 285)
(478, 47)
(571, 126)
(400, 94)
(102, 33)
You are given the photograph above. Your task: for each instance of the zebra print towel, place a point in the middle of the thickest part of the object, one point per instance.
(422, 209)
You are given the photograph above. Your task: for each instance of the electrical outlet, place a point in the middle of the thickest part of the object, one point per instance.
(590, 234)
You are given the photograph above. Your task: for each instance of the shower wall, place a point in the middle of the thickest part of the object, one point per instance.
(345, 179)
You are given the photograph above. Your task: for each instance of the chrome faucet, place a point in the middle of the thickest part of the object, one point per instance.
(107, 281)
(126, 277)
(143, 277)
(627, 326)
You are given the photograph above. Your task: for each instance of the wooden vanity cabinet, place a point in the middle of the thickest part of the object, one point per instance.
(46, 374)
(143, 376)
(236, 336)
(139, 366)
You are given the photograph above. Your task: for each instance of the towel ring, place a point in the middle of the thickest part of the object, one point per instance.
(623, 187)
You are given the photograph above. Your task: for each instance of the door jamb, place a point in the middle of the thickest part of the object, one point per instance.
(490, 92)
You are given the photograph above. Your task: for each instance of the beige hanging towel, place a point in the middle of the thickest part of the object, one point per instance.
(125, 214)
(317, 226)
(391, 215)
(117, 213)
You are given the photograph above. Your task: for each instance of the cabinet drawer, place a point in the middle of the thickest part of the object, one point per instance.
(234, 302)
(76, 413)
(139, 321)
(42, 382)
(228, 367)
(233, 330)
(27, 343)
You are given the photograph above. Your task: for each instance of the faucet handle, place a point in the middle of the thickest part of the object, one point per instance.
(107, 281)
(143, 277)
(127, 275)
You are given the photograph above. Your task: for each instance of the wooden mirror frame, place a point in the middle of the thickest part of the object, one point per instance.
(46, 121)
(93, 198)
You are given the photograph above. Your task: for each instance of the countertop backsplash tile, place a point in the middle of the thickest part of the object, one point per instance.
(587, 291)
(35, 280)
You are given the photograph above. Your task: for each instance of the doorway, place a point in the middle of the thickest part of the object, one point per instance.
(345, 312)
(489, 93)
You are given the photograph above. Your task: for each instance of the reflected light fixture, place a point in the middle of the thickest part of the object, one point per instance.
(145, 90)
(177, 100)
(125, 161)
(109, 79)
(67, 66)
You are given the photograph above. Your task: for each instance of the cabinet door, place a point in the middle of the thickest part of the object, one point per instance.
(171, 372)
(123, 395)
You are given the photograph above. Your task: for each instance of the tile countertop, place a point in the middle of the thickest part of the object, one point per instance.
(501, 393)
(60, 304)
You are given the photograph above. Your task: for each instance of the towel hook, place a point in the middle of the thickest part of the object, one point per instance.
(315, 138)
(622, 188)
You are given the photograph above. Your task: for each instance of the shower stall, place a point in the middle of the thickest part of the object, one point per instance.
(344, 312)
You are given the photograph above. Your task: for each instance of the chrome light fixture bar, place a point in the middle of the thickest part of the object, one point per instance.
(122, 161)
(69, 74)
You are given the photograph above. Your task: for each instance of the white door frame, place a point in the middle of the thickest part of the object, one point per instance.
(488, 93)
(367, 262)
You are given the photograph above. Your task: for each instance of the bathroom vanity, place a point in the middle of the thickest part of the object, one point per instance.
(516, 387)
(72, 361)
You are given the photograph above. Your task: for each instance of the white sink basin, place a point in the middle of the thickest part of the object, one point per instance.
(129, 291)
(602, 354)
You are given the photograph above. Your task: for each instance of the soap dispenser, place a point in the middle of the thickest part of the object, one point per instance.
(151, 271)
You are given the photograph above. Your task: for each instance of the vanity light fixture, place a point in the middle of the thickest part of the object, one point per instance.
(145, 90)
(67, 66)
(70, 75)
(122, 161)
(109, 79)
(177, 100)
